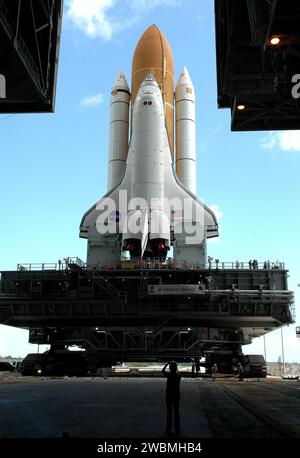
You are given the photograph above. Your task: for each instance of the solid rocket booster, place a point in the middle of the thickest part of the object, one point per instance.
(118, 132)
(186, 131)
(153, 55)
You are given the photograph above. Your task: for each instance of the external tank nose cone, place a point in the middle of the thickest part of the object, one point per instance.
(152, 55)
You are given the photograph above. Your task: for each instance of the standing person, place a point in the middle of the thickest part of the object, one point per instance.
(214, 371)
(193, 368)
(250, 264)
(172, 396)
(241, 373)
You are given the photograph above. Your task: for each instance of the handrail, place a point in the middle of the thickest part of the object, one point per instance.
(151, 264)
(59, 265)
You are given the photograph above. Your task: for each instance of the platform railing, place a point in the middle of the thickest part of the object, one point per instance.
(63, 264)
(151, 264)
(245, 265)
(37, 266)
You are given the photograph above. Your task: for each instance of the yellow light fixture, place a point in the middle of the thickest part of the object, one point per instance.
(275, 41)
(241, 107)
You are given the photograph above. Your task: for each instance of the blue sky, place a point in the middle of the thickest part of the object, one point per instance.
(54, 166)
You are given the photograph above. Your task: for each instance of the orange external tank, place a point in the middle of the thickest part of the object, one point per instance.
(153, 55)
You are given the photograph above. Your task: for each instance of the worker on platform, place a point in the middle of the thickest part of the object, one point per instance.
(214, 371)
(172, 396)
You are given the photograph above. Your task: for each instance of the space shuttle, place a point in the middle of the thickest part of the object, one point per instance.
(150, 209)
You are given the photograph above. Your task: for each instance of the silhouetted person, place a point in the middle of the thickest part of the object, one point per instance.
(214, 371)
(241, 373)
(172, 396)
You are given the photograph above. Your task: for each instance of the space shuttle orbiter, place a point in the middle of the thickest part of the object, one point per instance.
(150, 207)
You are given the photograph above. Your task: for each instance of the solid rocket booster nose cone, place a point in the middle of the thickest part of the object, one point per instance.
(184, 77)
(121, 81)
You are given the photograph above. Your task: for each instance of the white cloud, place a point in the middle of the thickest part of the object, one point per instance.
(217, 211)
(288, 140)
(106, 18)
(92, 101)
(91, 16)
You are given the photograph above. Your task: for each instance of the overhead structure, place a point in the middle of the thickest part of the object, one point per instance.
(29, 49)
(258, 55)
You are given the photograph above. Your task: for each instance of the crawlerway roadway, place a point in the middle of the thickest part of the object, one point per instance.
(126, 407)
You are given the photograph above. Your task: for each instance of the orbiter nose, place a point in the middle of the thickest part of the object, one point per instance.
(149, 80)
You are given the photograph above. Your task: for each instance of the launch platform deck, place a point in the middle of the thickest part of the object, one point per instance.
(145, 312)
(135, 408)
